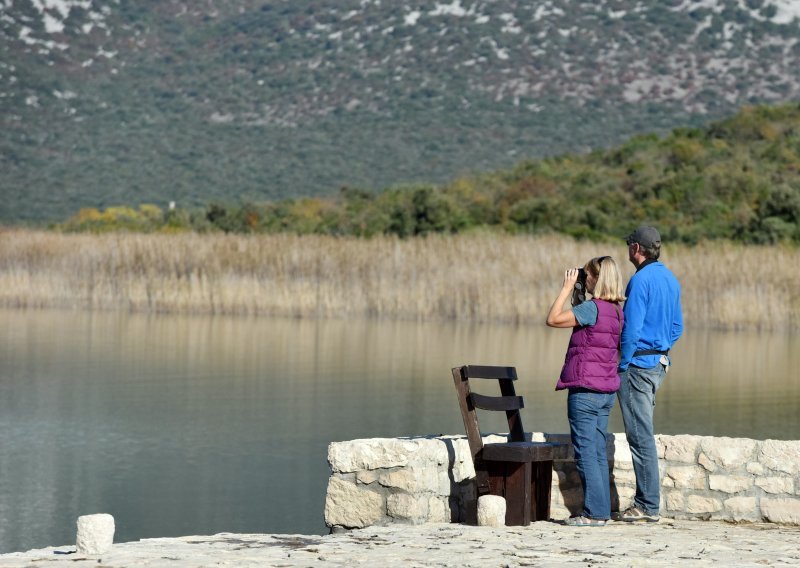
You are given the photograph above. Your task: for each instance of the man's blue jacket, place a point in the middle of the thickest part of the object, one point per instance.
(653, 318)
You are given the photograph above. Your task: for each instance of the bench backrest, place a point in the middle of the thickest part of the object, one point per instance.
(469, 402)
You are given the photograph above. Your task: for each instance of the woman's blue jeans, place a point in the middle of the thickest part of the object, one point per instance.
(588, 421)
(637, 399)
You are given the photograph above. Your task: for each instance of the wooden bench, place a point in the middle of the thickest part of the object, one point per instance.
(517, 470)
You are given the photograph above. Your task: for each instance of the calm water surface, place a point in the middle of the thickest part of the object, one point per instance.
(197, 425)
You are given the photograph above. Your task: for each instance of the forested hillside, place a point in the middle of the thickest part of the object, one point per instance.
(737, 179)
(105, 102)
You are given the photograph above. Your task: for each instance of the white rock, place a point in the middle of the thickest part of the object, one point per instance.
(348, 505)
(410, 508)
(728, 452)
(367, 476)
(781, 455)
(781, 510)
(413, 479)
(675, 501)
(355, 455)
(626, 494)
(624, 476)
(686, 476)
(681, 448)
(703, 460)
(95, 534)
(697, 504)
(438, 510)
(776, 484)
(463, 470)
(491, 511)
(622, 451)
(741, 508)
(729, 483)
(559, 512)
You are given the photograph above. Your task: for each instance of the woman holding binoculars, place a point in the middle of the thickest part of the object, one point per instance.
(590, 375)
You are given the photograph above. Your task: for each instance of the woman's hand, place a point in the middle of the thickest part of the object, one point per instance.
(570, 277)
(560, 315)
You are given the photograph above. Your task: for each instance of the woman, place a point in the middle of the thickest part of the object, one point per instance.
(590, 374)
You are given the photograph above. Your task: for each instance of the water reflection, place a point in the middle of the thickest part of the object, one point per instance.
(195, 425)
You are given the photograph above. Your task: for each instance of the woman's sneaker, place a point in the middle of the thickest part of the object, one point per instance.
(634, 514)
(581, 521)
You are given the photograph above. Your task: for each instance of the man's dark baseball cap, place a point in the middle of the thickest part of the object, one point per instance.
(645, 236)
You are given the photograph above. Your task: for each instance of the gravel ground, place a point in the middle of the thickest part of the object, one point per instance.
(666, 543)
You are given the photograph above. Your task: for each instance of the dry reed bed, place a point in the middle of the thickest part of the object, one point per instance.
(483, 277)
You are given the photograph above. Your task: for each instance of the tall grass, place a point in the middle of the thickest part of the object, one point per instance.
(480, 277)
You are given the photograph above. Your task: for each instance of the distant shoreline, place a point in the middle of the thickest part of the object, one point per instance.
(473, 277)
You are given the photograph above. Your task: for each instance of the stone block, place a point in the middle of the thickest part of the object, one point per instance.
(559, 512)
(625, 491)
(463, 470)
(376, 453)
(660, 446)
(707, 464)
(729, 483)
(348, 505)
(741, 508)
(786, 511)
(621, 451)
(675, 501)
(444, 486)
(438, 510)
(491, 511)
(627, 476)
(776, 485)
(697, 504)
(366, 477)
(95, 534)
(780, 455)
(755, 468)
(686, 476)
(681, 449)
(625, 496)
(728, 452)
(412, 479)
(410, 508)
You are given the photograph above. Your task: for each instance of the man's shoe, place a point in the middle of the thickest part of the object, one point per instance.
(581, 521)
(634, 514)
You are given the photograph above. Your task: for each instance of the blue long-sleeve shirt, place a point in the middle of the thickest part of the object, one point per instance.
(653, 318)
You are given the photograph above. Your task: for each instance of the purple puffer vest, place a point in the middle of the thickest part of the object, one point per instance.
(593, 352)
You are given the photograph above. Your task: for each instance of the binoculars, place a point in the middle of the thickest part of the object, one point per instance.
(579, 290)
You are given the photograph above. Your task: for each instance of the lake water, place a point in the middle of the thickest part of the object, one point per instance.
(197, 425)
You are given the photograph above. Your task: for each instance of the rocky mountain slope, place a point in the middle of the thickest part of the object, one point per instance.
(123, 101)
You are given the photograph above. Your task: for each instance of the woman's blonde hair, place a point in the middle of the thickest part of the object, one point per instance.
(609, 280)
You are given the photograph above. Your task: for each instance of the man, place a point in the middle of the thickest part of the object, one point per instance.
(653, 323)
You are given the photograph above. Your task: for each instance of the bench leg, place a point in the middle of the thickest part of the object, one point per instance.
(513, 482)
(541, 483)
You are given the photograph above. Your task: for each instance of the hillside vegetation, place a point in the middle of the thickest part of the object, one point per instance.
(106, 102)
(736, 179)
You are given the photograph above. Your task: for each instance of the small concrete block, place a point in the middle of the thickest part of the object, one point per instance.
(95, 534)
(491, 511)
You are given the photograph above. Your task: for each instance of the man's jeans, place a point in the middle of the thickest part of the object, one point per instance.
(588, 420)
(637, 398)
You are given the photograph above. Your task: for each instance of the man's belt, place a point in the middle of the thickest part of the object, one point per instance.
(650, 352)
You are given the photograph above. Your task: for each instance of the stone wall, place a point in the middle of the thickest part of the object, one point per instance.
(429, 479)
